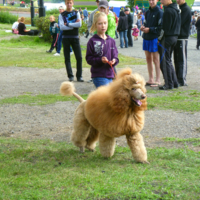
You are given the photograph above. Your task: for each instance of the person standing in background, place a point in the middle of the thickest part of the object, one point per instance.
(59, 42)
(85, 14)
(70, 22)
(171, 24)
(151, 30)
(198, 32)
(130, 25)
(123, 29)
(180, 49)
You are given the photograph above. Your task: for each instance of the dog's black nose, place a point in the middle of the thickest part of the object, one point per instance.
(143, 96)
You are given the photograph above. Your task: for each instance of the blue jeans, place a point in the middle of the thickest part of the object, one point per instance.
(59, 42)
(123, 36)
(99, 81)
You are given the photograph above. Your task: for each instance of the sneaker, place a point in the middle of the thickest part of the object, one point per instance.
(49, 51)
(71, 53)
(56, 54)
(119, 47)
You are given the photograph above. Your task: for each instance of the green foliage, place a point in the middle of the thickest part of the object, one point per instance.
(52, 11)
(42, 169)
(42, 23)
(6, 17)
(131, 3)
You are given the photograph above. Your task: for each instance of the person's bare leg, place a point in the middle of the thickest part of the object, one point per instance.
(156, 61)
(149, 60)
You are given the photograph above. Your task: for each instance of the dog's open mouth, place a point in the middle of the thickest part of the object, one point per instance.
(136, 101)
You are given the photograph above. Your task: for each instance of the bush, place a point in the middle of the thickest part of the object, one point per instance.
(42, 23)
(7, 18)
(52, 11)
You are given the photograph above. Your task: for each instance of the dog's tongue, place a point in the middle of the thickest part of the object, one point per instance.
(138, 102)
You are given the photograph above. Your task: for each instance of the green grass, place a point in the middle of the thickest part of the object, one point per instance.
(40, 169)
(187, 101)
(31, 52)
(194, 141)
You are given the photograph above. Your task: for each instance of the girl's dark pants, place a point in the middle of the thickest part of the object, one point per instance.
(75, 44)
(54, 43)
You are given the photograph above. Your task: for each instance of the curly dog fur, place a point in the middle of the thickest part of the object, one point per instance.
(109, 112)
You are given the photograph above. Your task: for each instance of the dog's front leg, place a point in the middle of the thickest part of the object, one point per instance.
(137, 147)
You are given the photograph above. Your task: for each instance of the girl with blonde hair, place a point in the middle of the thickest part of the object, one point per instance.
(101, 52)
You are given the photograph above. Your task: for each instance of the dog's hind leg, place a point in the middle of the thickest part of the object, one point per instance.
(106, 145)
(81, 128)
(92, 139)
(137, 147)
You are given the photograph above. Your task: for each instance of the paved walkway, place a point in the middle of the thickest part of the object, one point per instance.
(136, 50)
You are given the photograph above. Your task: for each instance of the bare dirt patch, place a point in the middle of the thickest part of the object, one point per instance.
(55, 121)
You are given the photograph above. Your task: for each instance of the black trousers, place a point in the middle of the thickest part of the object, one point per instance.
(75, 44)
(198, 37)
(54, 42)
(180, 60)
(130, 40)
(166, 66)
(32, 32)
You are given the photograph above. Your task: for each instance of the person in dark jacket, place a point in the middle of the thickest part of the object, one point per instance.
(151, 30)
(130, 23)
(123, 29)
(167, 40)
(198, 32)
(180, 49)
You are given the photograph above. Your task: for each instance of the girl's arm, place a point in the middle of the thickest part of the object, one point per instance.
(90, 57)
(115, 54)
(157, 28)
(62, 25)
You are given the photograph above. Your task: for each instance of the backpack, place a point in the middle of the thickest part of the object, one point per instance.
(54, 29)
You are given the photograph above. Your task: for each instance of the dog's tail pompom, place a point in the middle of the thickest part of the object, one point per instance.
(67, 89)
(124, 72)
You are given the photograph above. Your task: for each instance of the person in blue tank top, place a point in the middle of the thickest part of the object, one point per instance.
(151, 30)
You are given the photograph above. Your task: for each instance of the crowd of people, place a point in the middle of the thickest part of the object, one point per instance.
(163, 33)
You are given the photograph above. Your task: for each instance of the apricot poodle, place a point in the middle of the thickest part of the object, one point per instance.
(109, 112)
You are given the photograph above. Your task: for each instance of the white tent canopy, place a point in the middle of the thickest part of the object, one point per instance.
(117, 4)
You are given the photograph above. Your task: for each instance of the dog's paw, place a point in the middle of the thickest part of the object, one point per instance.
(145, 162)
(82, 149)
(90, 149)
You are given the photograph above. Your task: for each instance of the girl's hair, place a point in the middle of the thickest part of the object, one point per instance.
(52, 17)
(198, 18)
(135, 26)
(95, 20)
(19, 19)
(22, 19)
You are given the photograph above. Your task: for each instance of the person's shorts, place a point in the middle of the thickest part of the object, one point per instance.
(150, 45)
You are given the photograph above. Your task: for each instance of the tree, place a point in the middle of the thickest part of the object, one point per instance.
(131, 3)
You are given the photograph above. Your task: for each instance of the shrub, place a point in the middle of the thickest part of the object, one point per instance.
(52, 11)
(42, 23)
(7, 18)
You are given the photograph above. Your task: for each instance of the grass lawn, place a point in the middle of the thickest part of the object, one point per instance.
(43, 169)
(40, 169)
(30, 51)
(187, 101)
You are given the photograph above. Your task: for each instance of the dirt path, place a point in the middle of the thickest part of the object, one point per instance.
(55, 121)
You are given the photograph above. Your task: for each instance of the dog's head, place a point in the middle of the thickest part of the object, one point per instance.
(129, 91)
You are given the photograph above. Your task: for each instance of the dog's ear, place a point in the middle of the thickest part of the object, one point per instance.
(120, 100)
(124, 72)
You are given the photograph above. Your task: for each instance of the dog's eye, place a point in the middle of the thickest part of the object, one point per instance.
(133, 89)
